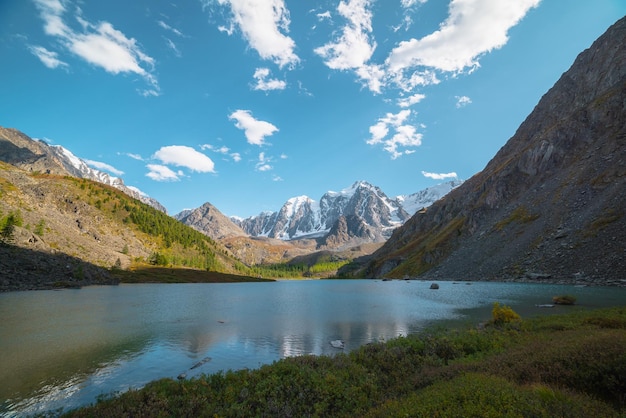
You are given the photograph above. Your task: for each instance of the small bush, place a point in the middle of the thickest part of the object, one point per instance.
(502, 314)
(564, 300)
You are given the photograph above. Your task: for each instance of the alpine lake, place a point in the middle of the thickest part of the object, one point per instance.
(64, 349)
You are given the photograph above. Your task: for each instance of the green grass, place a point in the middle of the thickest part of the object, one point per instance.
(570, 365)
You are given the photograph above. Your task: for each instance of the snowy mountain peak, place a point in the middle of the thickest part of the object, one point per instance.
(424, 198)
(302, 216)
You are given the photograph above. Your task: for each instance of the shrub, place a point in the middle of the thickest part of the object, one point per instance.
(502, 314)
(564, 300)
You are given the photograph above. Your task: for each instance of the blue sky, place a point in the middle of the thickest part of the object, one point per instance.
(246, 103)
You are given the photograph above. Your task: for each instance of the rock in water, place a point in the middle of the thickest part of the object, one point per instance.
(337, 344)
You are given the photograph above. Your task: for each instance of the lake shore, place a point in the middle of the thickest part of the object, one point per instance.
(538, 367)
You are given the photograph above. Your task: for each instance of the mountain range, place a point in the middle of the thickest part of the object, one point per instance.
(550, 204)
(357, 214)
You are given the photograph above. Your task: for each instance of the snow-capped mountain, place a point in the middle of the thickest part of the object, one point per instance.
(22, 151)
(304, 217)
(79, 168)
(424, 198)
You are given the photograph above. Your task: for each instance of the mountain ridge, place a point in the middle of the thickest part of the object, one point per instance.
(19, 149)
(303, 217)
(550, 204)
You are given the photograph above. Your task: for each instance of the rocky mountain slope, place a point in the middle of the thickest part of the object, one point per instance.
(72, 231)
(210, 221)
(22, 151)
(549, 206)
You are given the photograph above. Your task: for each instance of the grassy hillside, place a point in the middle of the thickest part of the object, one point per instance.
(569, 366)
(99, 226)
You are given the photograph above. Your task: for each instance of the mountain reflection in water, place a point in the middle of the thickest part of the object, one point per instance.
(65, 348)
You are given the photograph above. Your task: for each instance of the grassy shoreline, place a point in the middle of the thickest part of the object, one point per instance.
(560, 365)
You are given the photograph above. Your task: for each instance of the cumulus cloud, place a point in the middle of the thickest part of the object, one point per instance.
(255, 130)
(263, 83)
(473, 28)
(411, 100)
(404, 136)
(99, 44)
(183, 156)
(264, 24)
(162, 173)
(439, 176)
(49, 58)
(353, 48)
(104, 167)
(462, 101)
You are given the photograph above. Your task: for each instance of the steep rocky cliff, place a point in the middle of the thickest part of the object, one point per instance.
(550, 205)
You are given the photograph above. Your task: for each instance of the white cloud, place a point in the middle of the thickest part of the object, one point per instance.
(49, 58)
(184, 156)
(162, 173)
(104, 167)
(404, 138)
(169, 28)
(263, 24)
(439, 176)
(264, 163)
(171, 45)
(353, 48)
(462, 101)
(134, 156)
(411, 100)
(324, 15)
(277, 178)
(101, 45)
(473, 28)
(255, 130)
(222, 150)
(411, 3)
(263, 83)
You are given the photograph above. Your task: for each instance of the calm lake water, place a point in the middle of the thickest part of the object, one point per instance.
(62, 349)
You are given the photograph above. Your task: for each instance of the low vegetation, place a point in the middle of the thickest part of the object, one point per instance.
(564, 300)
(562, 365)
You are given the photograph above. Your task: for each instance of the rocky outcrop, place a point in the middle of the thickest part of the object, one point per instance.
(551, 202)
(210, 221)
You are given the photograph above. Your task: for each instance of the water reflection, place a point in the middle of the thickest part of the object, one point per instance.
(64, 349)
